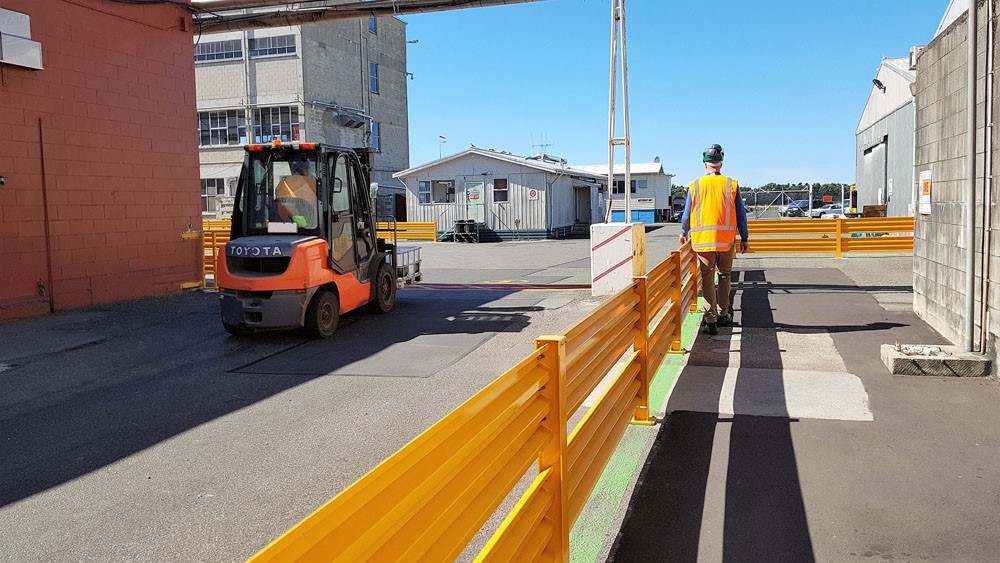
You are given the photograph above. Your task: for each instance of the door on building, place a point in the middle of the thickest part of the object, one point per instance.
(583, 216)
(473, 199)
(874, 174)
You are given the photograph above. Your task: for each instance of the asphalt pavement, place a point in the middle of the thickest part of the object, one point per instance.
(141, 431)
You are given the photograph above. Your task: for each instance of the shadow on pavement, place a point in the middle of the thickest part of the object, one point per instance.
(149, 370)
(675, 509)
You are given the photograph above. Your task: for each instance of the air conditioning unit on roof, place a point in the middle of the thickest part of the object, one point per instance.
(914, 53)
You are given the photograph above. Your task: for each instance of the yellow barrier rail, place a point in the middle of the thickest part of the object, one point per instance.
(411, 230)
(834, 236)
(430, 498)
(215, 235)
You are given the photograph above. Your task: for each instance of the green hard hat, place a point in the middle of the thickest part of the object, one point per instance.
(713, 154)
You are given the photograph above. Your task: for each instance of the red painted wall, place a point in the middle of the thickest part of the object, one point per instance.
(106, 136)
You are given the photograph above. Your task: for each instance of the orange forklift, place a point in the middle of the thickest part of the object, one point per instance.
(303, 247)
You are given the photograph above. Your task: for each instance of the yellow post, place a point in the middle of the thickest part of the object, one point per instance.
(641, 344)
(675, 345)
(840, 232)
(553, 455)
(696, 280)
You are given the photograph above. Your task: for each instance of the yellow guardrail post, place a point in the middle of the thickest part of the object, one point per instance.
(641, 344)
(696, 273)
(840, 240)
(553, 455)
(678, 307)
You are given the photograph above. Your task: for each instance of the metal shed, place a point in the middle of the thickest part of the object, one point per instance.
(504, 195)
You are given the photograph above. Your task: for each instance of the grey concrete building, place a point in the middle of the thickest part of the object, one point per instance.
(341, 82)
(884, 174)
(505, 195)
(940, 240)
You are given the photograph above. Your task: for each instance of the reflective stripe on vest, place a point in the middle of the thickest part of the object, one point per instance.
(713, 216)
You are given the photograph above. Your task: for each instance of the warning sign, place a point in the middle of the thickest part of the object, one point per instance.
(532, 194)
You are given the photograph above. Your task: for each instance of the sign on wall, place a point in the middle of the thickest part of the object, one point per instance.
(532, 194)
(925, 192)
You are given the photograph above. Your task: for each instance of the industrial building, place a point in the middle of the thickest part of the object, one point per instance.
(337, 82)
(885, 137)
(957, 261)
(649, 191)
(506, 196)
(98, 168)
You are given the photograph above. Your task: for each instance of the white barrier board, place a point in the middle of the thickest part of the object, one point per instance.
(617, 253)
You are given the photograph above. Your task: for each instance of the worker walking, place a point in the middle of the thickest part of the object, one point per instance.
(713, 214)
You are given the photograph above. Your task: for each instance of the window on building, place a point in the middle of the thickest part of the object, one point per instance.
(620, 186)
(376, 136)
(227, 127)
(211, 187)
(444, 191)
(424, 192)
(500, 193)
(218, 50)
(642, 184)
(264, 46)
(373, 77)
(372, 25)
(276, 123)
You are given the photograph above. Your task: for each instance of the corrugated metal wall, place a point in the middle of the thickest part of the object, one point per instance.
(884, 153)
(531, 204)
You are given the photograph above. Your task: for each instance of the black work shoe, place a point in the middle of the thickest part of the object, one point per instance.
(725, 320)
(711, 328)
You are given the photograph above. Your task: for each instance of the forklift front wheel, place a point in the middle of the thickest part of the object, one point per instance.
(322, 315)
(384, 292)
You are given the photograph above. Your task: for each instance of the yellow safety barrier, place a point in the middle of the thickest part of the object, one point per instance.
(215, 235)
(430, 498)
(408, 230)
(836, 236)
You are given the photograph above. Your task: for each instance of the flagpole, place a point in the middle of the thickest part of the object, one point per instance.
(441, 142)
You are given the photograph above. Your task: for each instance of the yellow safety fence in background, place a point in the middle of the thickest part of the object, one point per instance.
(428, 500)
(215, 235)
(834, 236)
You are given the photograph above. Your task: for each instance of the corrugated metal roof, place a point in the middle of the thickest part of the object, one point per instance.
(637, 168)
(535, 163)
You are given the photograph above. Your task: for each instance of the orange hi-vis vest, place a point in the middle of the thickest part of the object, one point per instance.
(713, 214)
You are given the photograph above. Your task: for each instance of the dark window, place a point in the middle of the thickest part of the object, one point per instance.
(280, 45)
(500, 193)
(372, 25)
(227, 127)
(424, 192)
(620, 187)
(373, 77)
(218, 50)
(276, 123)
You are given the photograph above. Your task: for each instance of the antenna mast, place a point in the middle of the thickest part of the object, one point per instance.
(618, 36)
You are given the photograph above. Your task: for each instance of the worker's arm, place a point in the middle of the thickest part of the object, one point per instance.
(741, 221)
(686, 218)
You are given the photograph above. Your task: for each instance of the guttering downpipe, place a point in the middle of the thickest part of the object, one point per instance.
(970, 186)
(984, 317)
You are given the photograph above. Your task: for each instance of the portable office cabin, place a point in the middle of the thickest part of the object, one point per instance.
(885, 137)
(650, 191)
(516, 197)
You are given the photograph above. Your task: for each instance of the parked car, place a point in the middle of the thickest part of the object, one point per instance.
(827, 209)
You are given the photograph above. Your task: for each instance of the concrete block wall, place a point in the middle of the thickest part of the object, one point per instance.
(103, 136)
(939, 240)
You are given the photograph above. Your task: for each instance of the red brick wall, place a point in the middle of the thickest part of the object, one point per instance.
(106, 134)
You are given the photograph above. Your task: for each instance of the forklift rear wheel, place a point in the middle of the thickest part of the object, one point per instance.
(322, 315)
(236, 330)
(385, 290)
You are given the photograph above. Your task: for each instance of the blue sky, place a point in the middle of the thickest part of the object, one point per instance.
(779, 84)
